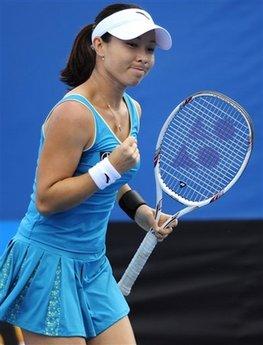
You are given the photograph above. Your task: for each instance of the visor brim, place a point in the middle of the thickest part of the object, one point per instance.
(133, 30)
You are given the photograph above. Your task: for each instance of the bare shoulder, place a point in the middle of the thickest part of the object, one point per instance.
(72, 119)
(71, 112)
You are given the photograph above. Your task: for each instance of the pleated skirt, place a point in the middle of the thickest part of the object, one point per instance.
(58, 293)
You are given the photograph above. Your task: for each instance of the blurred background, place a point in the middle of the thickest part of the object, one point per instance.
(204, 284)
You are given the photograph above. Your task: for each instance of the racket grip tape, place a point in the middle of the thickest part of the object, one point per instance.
(137, 263)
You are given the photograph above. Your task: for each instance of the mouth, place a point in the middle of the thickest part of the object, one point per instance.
(139, 69)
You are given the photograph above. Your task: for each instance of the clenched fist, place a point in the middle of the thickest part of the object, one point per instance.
(125, 156)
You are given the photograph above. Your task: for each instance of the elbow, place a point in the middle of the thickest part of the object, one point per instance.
(43, 207)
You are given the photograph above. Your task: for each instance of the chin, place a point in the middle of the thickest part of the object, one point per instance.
(134, 82)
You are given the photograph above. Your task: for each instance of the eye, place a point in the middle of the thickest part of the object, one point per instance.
(132, 44)
(151, 50)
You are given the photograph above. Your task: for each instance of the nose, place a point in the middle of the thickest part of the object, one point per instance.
(143, 57)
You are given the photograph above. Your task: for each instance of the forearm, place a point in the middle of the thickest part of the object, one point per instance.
(136, 208)
(125, 188)
(134, 205)
(65, 194)
(142, 216)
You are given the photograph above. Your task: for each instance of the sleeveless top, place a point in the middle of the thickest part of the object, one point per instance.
(82, 229)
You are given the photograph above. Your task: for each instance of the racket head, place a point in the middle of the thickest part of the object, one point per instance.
(203, 148)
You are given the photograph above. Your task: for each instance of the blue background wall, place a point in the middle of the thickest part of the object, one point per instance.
(217, 45)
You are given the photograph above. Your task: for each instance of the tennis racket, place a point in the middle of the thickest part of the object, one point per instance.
(202, 149)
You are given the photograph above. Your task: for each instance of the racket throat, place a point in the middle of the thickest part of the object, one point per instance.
(183, 212)
(158, 209)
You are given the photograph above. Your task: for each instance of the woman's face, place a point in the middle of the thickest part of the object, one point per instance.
(128, 62)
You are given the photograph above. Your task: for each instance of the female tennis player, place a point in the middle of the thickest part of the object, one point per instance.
(56, 283)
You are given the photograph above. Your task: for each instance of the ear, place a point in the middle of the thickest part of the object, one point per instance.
(98, 46)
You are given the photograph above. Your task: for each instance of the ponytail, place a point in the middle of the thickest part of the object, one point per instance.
(81, 61)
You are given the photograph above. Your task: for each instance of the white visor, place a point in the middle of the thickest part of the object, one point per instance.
(132, 23)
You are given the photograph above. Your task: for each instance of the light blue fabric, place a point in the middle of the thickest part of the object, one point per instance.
(55, 293)
(83, 228)
(54, 276)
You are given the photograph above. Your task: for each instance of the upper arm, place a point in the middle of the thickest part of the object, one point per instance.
(69, 129)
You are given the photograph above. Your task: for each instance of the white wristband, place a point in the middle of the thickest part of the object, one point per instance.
(104, 173)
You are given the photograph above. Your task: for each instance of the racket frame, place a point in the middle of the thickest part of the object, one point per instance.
(158, 178)
(150, 240)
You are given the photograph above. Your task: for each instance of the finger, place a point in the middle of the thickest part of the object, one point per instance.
(173, 224)
(135, 155)
(164, 218)
(130, 150)
(155, 226)
(136, 151)
(134, 147)
(167, 219)
(130, 141)
(165, 231)
(160, 236)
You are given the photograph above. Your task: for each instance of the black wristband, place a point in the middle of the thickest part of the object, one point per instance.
(130, 201)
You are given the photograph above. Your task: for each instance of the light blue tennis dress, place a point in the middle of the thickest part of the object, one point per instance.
(55, 278)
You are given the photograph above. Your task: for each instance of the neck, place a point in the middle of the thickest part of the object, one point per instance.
(107, 89)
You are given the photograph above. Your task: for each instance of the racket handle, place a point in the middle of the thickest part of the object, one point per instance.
(137, 263)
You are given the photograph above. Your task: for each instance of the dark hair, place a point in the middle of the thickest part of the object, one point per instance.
(82, 58)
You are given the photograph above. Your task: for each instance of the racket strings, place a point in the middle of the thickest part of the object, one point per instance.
(203, 148)
(169, 162)
(192, 150)
(225, 128)
(208, 159)
(230, 127)
(205, 187)
(210, 156)
(236, 146)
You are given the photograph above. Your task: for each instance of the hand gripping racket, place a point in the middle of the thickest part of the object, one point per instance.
(202, 149)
